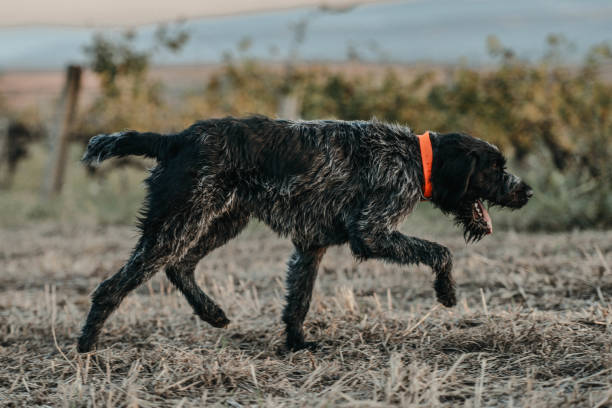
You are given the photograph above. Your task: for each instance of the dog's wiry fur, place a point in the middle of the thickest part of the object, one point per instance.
(321, 183)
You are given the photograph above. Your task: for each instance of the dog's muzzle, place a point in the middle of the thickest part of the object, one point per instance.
(510, 183)
(514, 193)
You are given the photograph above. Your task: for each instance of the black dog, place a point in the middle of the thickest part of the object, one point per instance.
(322, 183)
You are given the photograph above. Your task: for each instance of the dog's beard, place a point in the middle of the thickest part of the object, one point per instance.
(475, 220)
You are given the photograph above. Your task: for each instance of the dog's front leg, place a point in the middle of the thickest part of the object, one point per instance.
(396, 247)
(301, 276)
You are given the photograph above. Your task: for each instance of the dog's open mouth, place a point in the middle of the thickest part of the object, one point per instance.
(481, 217)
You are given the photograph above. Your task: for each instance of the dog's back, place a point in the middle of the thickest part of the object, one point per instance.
(304, 177)
(297, 177)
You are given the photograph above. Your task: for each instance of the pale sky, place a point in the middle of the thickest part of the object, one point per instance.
(96, 13)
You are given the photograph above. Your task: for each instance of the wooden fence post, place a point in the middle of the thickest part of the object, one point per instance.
(288, 107)
(4, 149)
(60, 131)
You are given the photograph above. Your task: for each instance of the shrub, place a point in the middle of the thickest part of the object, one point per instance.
(554, 121)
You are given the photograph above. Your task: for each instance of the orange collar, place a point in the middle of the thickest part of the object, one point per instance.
(427, 159)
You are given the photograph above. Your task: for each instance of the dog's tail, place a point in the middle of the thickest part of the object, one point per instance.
(102, 147)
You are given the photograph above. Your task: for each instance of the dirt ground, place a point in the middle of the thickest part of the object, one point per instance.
(533, 326)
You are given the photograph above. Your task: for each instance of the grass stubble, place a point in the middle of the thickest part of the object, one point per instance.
(533, 326)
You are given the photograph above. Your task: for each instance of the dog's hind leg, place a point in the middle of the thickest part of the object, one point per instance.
(146, 260)
(301, 276)
(181, 274)
(109, 294)
(183, 277)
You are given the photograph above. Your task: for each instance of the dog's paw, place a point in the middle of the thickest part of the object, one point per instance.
(85, 345)
(219, 321)
(447, 299)
(295, 341)
(304, 345)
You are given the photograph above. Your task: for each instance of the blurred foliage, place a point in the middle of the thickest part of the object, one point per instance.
(129, 98)
(84, 200)
(553, 121)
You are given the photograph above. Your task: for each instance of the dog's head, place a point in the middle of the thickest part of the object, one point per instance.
(466, 172)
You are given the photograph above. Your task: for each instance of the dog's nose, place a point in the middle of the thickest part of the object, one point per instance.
(529, 193)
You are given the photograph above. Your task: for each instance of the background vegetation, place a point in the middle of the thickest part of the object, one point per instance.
(554, 121)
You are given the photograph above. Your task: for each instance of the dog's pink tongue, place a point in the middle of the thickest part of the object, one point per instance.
(487, 217)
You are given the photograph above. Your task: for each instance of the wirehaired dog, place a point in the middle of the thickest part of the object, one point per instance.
(321, 183)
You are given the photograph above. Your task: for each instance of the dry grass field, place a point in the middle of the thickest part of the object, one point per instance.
(533, 326)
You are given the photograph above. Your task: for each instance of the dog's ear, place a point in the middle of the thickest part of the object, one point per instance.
(451, 179)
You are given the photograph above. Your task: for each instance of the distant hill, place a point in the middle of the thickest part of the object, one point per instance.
(408, 31)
